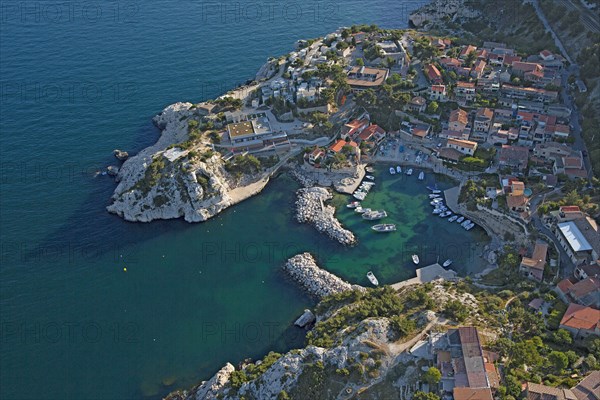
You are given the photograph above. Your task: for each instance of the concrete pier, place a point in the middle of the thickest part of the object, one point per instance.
(427, 274)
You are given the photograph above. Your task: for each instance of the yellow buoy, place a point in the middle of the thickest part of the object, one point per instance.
(125, 269)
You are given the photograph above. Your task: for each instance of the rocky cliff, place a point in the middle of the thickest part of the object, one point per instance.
(437, 10)
(165, 181)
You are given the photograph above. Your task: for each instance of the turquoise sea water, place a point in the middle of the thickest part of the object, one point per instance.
(81, 79)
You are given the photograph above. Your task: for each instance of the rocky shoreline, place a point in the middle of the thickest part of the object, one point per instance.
(311, 208)
(317, 282)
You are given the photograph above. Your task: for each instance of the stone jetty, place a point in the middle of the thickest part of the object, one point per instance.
(319, 283)
(310, 207)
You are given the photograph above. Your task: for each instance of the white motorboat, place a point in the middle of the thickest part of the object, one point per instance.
(370, 169)
(409, 172)
(470, 226)
(421, 175)
(370, 177)
(392, 171)
(460, 219)
(447, 263)
(440, 210)
(415, 259)
(384, 228)
(398, 169)
(354, 204)
(361, 210)
(445, 214)
(453, 218)
(372, 278)
(434, 196)
(374, 215)
(465, 223)
(359, 195)
(433, 202)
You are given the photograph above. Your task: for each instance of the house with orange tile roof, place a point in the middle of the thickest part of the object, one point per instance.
(464, 91)
(450, 64)
(581, 321)
(585, 292)
(463, 393)
(372, 133)
(466, 51)
(433, 74)
(316, 155)
(354, 127)
(535, 391)
(438, 93)
(340, 144)
(588, 388)
(478, 68)
(458, 120)
(466, 147)
(482, 123)
(363, 78)
(533, 267)
(417, 104)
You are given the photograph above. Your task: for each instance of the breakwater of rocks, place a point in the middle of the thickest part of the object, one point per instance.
(319, 283)
(302, 178)
(310, 207)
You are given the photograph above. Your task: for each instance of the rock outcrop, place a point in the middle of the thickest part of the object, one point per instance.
(121, 155)
(437, 10)
(319, 283)
(164, 181)
(311, 208)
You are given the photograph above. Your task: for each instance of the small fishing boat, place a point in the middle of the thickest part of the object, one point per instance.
(361, 210)
(409, 172)
(370, 169)
(436, 191)
(354, 204)
(447, 263)
(465, 223)
(374, 215)
(398, 169)
(392, 171)
(440, 210)
(434, 196)
(453, 218)
(384, 228)
(421, 175)
(415, 259)
(445, 214)
(460, 219)
(359, 195)
(370, 177)
(372, 278)
(470, 226)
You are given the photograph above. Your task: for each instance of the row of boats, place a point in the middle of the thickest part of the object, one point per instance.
(440, 209)
(415, 258)
(409, 172)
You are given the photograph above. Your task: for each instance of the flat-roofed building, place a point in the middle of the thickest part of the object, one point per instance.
(255, 135)
(363, 78)
(580, 239)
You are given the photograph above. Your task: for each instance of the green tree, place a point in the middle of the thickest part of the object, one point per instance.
(562, 336)
(432, 375)
(419, 395)
(558, 360)
(433, 107)
(360, 62)
(513, 386)
(470, 59)
(456, 310)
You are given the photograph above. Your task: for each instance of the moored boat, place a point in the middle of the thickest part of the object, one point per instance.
(370, 169)
(361, 210)
(372, 278)
(421, 175)
(384, 228)
(374, 214)
(470, 226)
(370, 177)
(453, 218)
(354, 204)
(359, 195)
(392, 171)
(409, 172)
(465, 223)
(398, 169)
(460, 219)
(447, 263)
(445, 214)
(415, 259)
(434, 196)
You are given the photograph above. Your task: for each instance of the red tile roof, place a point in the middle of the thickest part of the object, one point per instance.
(433, 74)
(581, 317)
(465, 393)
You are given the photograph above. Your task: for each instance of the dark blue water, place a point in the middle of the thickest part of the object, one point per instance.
(79, 80)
